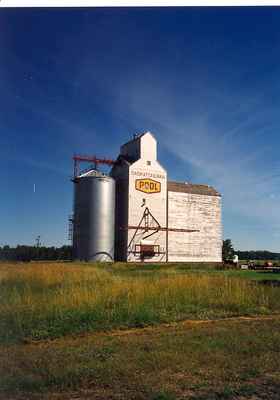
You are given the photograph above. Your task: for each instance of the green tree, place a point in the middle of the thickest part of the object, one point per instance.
(228, 250)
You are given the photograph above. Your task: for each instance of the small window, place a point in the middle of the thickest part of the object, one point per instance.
(148, 162)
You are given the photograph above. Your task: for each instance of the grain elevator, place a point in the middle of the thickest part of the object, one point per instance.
(135, 214)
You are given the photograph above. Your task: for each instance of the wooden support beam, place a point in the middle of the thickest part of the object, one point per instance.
(157, 228)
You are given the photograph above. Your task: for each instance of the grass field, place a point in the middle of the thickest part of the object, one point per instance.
(114, 331)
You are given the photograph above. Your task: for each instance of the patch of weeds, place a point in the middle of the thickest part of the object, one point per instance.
(163, 396)
(229, 392)
(70, 379)
(247, 390)
(27, 383)
(248, 374)
(224, 394)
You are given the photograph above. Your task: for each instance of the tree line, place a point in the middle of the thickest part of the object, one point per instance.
(258, 255)
(28, 253)
(228, 253)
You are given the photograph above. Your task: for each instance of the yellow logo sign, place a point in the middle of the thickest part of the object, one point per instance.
(147, 185)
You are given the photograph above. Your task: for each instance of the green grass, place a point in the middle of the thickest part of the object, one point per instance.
(40, 301)
(214, 360)
(77, 305)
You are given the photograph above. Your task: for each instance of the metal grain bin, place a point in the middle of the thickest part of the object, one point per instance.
(94, 217)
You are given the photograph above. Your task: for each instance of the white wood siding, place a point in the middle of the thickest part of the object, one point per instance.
(194, 211)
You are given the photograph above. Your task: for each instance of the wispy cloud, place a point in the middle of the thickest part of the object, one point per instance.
(233, 160)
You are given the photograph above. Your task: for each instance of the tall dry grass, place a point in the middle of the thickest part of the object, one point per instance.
(50, 300)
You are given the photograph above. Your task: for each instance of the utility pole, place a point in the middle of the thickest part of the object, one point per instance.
(38, 242)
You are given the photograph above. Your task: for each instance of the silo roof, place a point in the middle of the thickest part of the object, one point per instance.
(191, 188)
(91, 172)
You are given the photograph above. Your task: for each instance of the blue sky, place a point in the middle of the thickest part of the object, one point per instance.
(205, 81)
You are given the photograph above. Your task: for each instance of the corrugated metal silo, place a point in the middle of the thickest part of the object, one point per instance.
(94, 217)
